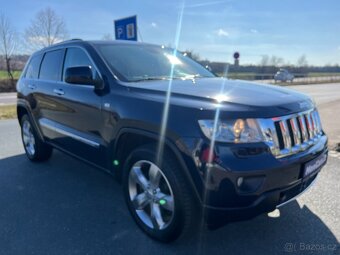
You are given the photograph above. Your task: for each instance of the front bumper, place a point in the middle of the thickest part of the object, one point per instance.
(266, 202)
(273, 181)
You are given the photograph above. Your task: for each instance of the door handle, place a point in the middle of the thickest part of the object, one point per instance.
(32, 86)
(59, 92)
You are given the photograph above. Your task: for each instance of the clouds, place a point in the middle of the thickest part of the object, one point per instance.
(222, 33)
(154, 24)
(254, 31)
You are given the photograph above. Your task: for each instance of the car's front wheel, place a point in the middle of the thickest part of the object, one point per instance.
(35, 148)
(157, 195)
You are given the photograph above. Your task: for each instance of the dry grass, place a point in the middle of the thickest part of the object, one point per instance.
(8, 112)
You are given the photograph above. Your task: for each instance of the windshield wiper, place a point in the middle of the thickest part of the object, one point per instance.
(147, 79)
(154, 78)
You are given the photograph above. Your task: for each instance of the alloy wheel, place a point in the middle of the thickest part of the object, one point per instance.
(151, 195)
(28, 138)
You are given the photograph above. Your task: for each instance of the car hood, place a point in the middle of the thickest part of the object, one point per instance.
(236, 92)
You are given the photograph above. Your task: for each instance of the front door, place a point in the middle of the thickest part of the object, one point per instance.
(79, 121)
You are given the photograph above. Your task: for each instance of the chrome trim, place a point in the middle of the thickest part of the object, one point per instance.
(290, 134)
(302, 122)
(285, 134)
(269, 133)
(309, 126)
(69, 134)
(296, 131)
(295, 197)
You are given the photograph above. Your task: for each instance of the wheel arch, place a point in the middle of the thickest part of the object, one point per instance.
(22, 109)
(131, 138)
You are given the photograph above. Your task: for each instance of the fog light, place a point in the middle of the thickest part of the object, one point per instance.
(239, 181)
(249, 184)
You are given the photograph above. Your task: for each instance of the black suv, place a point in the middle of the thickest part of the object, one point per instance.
(189, 147)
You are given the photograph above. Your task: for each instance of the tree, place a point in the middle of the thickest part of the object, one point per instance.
(191, 54)
(302, 61)
(107, 37)
(276, 61)
(46, 29)
(8, 43)
(264, 60)
(264, 63)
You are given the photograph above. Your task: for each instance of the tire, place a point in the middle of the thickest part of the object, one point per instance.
(164, 195)
(35, 149)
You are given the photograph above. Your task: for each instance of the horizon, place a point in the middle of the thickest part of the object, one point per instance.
(272, 28)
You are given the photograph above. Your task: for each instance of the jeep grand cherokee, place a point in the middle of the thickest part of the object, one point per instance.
(185, 144)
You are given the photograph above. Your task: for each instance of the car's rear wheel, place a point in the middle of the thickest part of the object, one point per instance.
(157, 195)
(35, 148)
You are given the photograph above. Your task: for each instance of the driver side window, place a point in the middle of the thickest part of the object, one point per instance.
(77, 57)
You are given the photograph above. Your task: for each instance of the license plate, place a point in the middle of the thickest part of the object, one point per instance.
(314, 165)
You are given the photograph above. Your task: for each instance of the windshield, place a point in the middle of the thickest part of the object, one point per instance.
(137, 62)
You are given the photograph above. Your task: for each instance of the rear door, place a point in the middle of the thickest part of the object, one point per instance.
(47, 105)
(79, 121)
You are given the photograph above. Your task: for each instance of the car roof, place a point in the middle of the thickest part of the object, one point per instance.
(90, 42)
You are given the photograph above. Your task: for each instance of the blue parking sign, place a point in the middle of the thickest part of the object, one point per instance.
(126, 28)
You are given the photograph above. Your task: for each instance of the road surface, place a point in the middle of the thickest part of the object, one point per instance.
(327, 98)
(8, 98)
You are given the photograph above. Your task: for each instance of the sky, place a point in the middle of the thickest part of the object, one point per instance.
(214, 29)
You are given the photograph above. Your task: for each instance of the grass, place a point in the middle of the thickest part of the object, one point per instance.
(4, 75)
(8, 112)
(322, 74)
(251, 76)
(242, 76)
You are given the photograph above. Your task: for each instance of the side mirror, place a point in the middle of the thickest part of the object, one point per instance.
(82, 75)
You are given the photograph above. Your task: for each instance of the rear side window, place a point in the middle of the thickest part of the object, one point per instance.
(77, 57)
(33, 68)
(51, 65)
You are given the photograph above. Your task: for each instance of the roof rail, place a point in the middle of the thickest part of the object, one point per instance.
(66, 41)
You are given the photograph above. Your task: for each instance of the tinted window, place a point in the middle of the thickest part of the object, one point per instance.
(77, 57)
(142, 62)
(32, 71)
(51, 65)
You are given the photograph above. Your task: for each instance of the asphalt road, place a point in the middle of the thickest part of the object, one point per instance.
(327, 98)
(8, 98)
(64, 206)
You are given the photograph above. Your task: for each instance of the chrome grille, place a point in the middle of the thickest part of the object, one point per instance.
(291, 134)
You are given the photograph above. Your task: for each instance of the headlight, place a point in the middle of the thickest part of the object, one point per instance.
(232, 131)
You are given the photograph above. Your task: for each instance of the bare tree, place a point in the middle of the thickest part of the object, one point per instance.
(276, 61)
(46, 29)
(302, 61)
(107, 37)
(191, 54)
(8, 43)
(264, 60)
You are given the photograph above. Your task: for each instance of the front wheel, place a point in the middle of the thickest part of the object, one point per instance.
(157, 195)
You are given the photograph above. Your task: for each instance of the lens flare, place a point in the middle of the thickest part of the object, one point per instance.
(168, 93)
